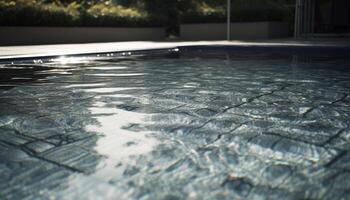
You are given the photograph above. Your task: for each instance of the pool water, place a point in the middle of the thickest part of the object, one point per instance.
(202, 125)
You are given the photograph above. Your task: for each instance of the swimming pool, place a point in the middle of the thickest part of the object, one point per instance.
(180, 124)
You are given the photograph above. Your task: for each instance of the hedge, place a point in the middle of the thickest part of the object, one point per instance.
(132, 13)
(36, 13)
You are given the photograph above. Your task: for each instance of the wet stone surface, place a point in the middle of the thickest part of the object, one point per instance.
(196, 127)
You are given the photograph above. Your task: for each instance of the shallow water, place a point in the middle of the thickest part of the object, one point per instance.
(201, 126)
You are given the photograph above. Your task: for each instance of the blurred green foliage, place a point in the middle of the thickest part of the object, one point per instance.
(168, 13)
(241, 11)
(72, 13)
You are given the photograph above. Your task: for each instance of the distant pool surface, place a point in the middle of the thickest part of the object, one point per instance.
(186, 125)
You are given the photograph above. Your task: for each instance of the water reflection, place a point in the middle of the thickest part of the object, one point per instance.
(219, 126)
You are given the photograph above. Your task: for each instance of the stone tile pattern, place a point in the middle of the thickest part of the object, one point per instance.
(227, 129)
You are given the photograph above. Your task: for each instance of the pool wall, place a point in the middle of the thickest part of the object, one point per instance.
(61, 35)
(239, 31)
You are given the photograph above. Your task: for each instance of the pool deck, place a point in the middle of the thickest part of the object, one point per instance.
(10, 52)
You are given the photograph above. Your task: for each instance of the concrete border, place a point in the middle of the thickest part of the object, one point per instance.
(8, 53)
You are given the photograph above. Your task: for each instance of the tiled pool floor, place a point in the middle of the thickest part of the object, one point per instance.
(215, 126)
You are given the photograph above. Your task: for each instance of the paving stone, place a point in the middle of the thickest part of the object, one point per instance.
(39, 146)
(10, 136)
(306, 151)
(75, 157)
(276, 175)
(9, 153)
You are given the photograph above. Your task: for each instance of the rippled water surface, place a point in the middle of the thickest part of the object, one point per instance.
(199, 126)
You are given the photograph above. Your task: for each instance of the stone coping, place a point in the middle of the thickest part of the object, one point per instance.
(41, 51)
